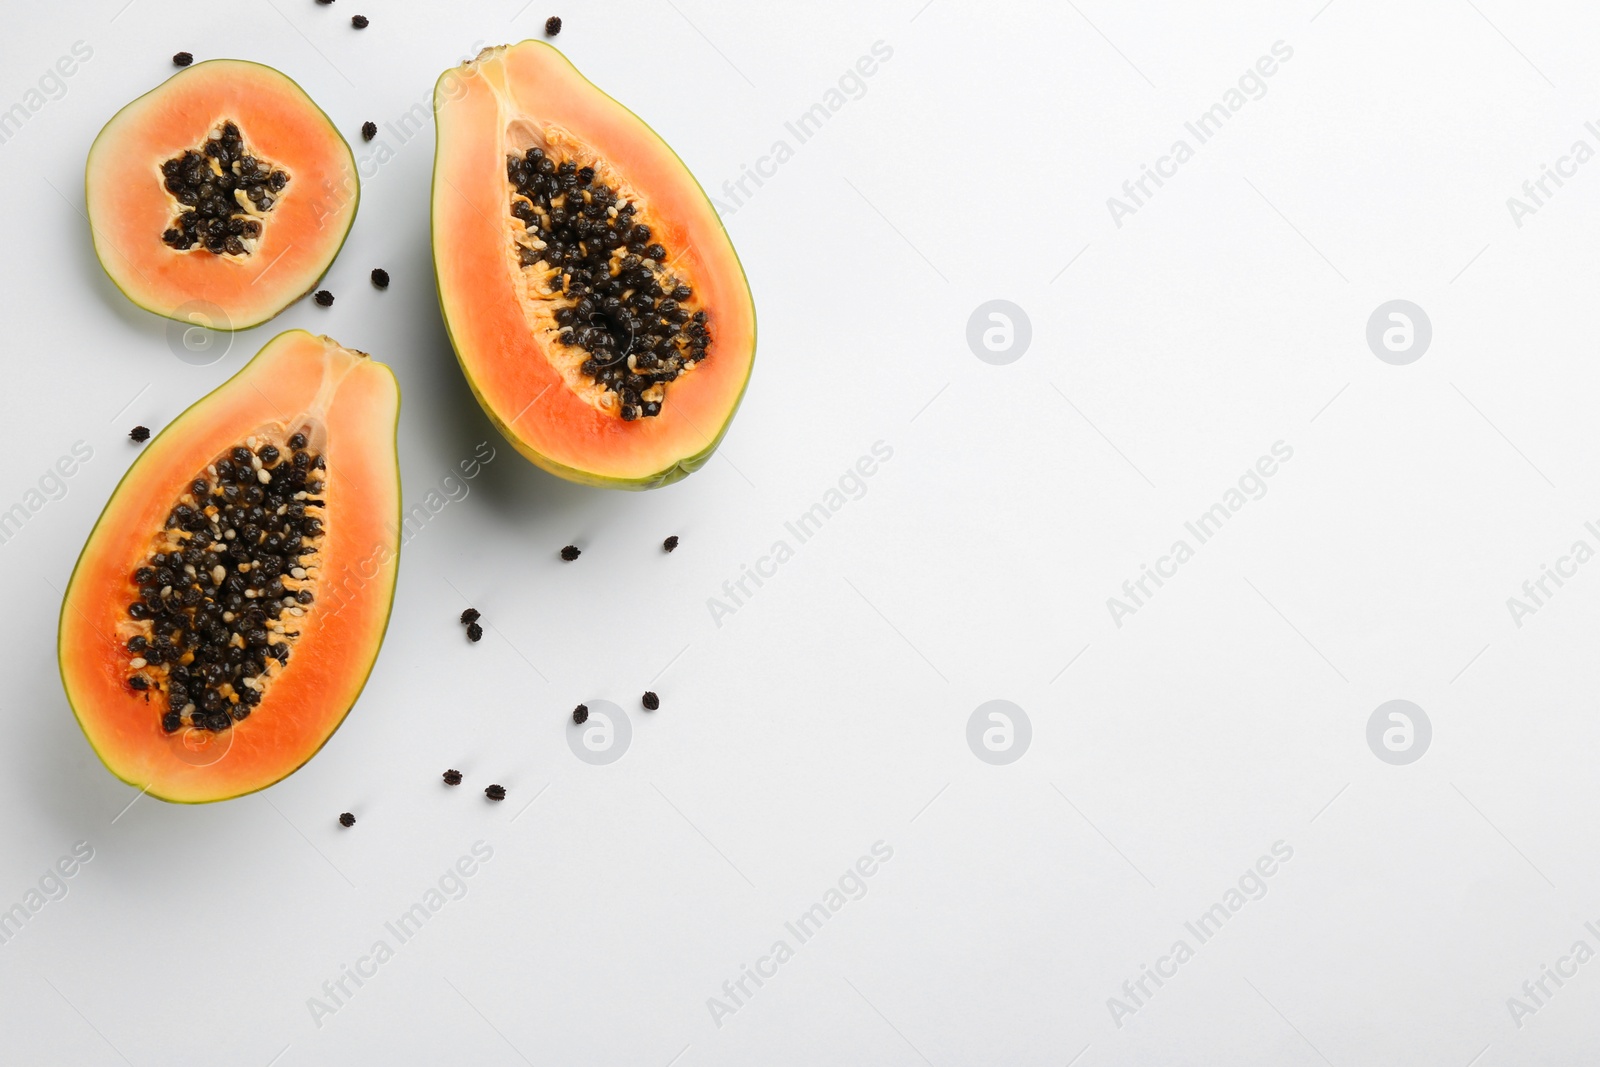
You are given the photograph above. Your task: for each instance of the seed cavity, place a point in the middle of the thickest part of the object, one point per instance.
(210, 619)
(613, 292)
(223, 192)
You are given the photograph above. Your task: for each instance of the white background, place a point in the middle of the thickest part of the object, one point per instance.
(829, 711)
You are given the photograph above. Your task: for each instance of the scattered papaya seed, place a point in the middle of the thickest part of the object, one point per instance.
(474, 632)
(580, 714)
(552, 25)
(380, 278)
(670, 543)
(324, 2)
(571, 552)
(359, 22)
(471, 615)
(182, 59)
(369, 130)
(140, 434)
(324, 298)
(347, 819)
(452, 777)
(651, 701)
(495, 792)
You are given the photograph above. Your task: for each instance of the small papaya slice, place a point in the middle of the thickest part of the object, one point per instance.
(230, 602)
(220, 196)
(593, 298)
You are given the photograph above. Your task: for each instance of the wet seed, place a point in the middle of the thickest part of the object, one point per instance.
(615, 298)
(380, 278)
(182, 59)
(324, 298)
(140, 434)
(216, 618)
(205, 180)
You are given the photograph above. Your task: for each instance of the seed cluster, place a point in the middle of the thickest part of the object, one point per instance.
(617, 300)
(218, 598)
(209, 183)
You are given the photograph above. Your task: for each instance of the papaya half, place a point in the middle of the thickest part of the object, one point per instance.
(593, 298)
(230, 602)
(220, 196)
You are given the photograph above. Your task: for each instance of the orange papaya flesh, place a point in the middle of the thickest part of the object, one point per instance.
(593, 298)
(230, 602)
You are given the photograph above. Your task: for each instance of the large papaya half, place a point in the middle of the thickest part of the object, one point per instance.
(593, 297)
(229, 604)
(220, 196)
